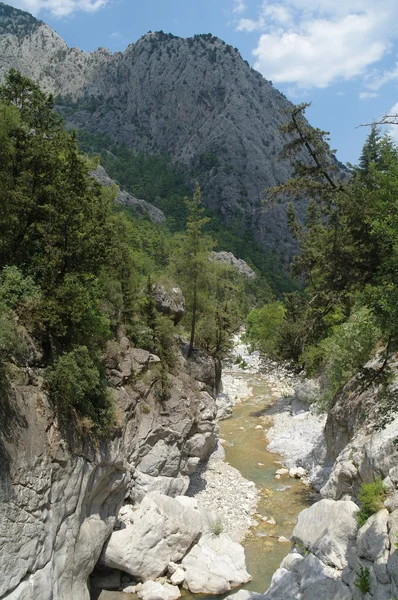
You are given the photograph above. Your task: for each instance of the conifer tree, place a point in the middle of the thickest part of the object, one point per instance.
(192, 262)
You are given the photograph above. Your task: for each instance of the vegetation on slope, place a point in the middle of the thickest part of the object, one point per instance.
(348, 260)
(157, 180)
(75, 269)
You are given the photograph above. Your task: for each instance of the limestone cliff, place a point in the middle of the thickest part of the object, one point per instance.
(61, 490)
(194, 99)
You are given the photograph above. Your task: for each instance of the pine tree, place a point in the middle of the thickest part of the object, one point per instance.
(192, 261)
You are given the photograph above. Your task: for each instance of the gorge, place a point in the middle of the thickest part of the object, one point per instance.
(144, 446)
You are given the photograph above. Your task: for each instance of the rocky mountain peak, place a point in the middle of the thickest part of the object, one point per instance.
(17, 22)
(194, 99)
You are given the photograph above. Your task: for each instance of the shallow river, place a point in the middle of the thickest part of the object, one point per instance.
(281, 499)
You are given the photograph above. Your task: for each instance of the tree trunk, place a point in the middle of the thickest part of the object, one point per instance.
(193, 322)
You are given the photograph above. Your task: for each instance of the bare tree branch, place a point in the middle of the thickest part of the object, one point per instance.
(386, 120)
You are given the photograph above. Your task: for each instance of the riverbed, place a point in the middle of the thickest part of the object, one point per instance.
(279, 500)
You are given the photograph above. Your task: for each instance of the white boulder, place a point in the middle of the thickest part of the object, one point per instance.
(328, 529)
(215, 565)
(160, 531)
(153, 590)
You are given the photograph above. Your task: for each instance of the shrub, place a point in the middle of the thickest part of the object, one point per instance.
(371, 498)
(345, 351)
(10, 340)
(75, 382)
(363, 580)
(263, 326)
(15, 288)
(216, 526)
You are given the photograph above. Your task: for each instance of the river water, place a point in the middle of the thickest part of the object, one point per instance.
(280, 499)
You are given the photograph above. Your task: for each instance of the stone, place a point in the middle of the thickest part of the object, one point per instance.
(169, 301)
(178, 576)
(283, 540)
(153, 590)
(328, 529)
(215, 565)
(227, 258)
(224, 406)
(373, 539)
(142, 208)
(282, 472)
(284, 586)
(162, 531)
(297, 472)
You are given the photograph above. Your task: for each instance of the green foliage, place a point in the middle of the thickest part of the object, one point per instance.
(10, 339)
(76, 382)
(264, 326)
(371, 498)
(216, 526)
(363, 580)
(343, 352)
(348, 257)
(192, 262)
(157, 333)
(15, 288)
(157, 180)
(223, 309)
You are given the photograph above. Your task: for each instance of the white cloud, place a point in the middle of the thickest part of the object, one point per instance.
(250, 24)
(58, 8)
(314, 44)
(376, 80)
(367, 95)
(239, 6)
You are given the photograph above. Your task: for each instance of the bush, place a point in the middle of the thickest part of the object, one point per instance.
(216, 526)
(10, 340)
(371, 498)
(75, 382)
(15, 288)
(345, 351)
(263, 326)
(363, 581)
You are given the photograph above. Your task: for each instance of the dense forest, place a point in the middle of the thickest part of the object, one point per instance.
(77, 270)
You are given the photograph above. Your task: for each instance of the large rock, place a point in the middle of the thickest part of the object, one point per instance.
(60, 491)
(153, 590)
(328, 529)
(373, 541)
(224, 406)
(123, 198)
(169, 301)
(227, 258)
(215, 565)
(160, 531)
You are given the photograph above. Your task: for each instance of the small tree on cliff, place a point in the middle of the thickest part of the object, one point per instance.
(192, 262)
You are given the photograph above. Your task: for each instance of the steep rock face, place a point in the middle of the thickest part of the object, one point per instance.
(60, 493)
(142, 208)
(227, 258)
(194, 99)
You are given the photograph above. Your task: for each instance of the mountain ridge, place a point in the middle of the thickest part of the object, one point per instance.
(194, 99)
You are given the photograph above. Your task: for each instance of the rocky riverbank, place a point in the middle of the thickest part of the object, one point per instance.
(333, 555)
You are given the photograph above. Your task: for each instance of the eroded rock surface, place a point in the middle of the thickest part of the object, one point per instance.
(60, 493)
(215, 565)
(159, 531)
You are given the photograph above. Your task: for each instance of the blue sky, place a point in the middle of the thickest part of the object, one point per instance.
(341, 55)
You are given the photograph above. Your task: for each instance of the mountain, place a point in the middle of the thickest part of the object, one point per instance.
(193, 99)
